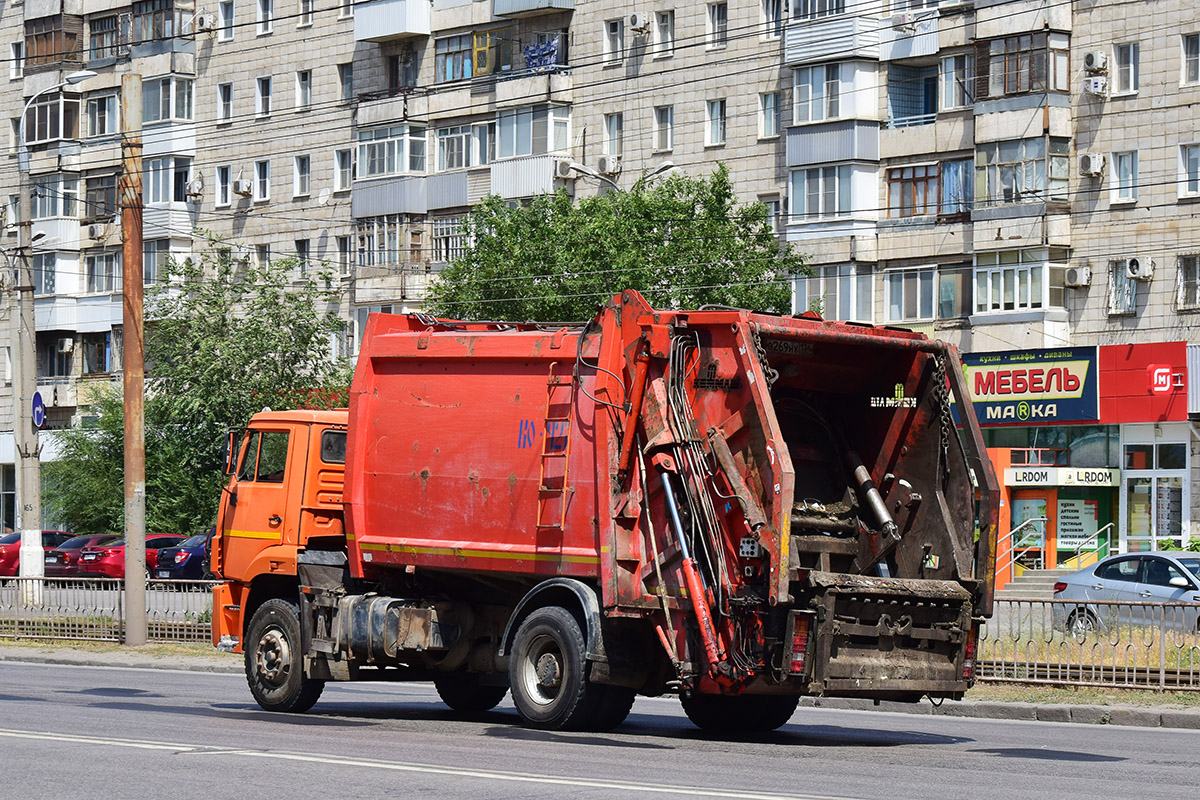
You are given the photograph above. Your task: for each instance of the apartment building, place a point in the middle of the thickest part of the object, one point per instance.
(1012, 176)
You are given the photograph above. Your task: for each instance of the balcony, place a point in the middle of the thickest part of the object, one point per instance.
(527, 176)
(525, 88)
(530, 8)
(396, 195)
(390, 20)
(908, 35)
(841, 37)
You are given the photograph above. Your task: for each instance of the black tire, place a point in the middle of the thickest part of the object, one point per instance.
(612, 707)
(463, 692)
(274, 663)
(548, 673)
(739, 714)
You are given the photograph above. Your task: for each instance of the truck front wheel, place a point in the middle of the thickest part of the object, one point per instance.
(743, 713)
(548, 672)
(274, 663)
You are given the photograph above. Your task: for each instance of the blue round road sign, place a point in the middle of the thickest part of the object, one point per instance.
(39, 410)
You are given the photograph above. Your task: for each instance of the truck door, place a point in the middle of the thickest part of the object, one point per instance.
(259, 512)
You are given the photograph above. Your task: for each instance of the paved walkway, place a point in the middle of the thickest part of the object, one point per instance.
(1141, 716)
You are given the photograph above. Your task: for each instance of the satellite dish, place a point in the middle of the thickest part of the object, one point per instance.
(323, 197)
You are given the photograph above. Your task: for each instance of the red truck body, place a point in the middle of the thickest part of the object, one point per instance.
(743, 508)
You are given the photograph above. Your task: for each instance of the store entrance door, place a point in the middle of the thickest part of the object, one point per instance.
(1154, 493)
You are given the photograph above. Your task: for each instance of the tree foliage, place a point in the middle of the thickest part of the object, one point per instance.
(683, 242)
(223, 340)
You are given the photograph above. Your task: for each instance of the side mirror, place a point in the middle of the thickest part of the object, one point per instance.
(1181, 583)
(231, 451)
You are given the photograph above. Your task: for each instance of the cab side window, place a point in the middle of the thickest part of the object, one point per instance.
(272, 457)
(250, 459)
(333, 447)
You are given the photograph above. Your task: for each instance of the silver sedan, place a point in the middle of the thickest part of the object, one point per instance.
(1114, 590)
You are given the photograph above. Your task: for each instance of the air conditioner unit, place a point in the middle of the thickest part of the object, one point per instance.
(1095, 61)
(904, 21)
(1091, 163)
(66, 344)
(562, 169)
(1097, 85)
(1078, 276)
(638, 21)
(195, 187)
(243, 187)
(1139, 269)
(608, 165)
(206, 22)
(97, 230)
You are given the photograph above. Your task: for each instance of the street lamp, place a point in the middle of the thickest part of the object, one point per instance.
(583, 169)
(25, 438)
(656, 171)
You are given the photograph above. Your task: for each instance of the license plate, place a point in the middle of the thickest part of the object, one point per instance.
(89, 556)
(162, 573)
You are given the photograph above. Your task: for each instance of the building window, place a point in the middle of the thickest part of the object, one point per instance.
(402, 71)
(304, 90)
(54, 196)
(522, 131)
(1019, 280)
(346, 9)
(957, 186)
(1125, 177)
(346, 81)
(1189, 170)
(224, 185)
(1126, 73)
(1188, 282)
(262, 181)
(53, 360)
(154, 260)
(839, 293)
(912, 95)
(225, 21)
(816, 93)
(166, 99)
(97, 353)
(815, 9)
(493, 50)
(1191, 59)
(449, 238)
(306, 14)
(1122, 289)
(343, 170)
(664, 33)
(453, 58)
(225, 102)
(954, 292)
(1022, 171)
(774, 212)
(301, 170)
(100, 197)
(103, 271)
(769, 119)
(52, 118)
(104, 37)
(264, 16)
(614, 134)
(821, 192)
(344, 251)
(714, 133)
(454, 147)
(16, 60)
(910, 294)
(1021, 64)
(772, 17)
(46, 42)
(958, 81)
(391, 151)
(379, 240)
(45, 272)
(614, 39)
(262, 96)
(262, 254)
(102, 115)
(165, 179)
(718, 24)
(664, 127)
(303, 253)
(913, 190)
(155, 20)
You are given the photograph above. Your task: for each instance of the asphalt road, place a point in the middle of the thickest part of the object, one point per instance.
(69, 732)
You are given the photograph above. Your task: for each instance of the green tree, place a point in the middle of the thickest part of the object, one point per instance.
(223, 340)
(682, 242)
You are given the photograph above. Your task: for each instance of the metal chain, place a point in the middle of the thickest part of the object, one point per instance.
(946, 422)
(770, 374)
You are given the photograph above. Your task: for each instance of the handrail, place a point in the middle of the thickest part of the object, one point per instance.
(1012, 554)
(1079, 547)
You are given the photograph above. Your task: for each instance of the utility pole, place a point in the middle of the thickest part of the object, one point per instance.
(133, 360)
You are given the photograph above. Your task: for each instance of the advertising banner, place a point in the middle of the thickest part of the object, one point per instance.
(1034, 387)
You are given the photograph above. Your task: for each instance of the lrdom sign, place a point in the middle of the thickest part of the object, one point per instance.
(1032, 387)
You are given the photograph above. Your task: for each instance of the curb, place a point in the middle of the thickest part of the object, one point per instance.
(122, 661)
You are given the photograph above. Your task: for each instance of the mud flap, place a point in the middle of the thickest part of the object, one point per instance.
(889, 638)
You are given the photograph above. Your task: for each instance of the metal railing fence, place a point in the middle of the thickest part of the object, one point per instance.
(93, 609)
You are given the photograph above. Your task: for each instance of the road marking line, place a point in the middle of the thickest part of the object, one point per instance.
(432, 769)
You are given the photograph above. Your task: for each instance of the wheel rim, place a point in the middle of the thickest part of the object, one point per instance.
(273, 656)
(542, 670)
(1081, 625)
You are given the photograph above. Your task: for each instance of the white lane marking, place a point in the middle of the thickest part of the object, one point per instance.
(431, 769)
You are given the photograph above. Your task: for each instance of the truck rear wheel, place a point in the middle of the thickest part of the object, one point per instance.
(464, 692)
(274, 663)
(548, 673)
(742, 713)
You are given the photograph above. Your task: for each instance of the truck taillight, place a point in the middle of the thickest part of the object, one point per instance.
(801, 636)
(969, 656)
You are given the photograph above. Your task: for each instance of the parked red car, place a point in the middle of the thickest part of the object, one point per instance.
(10, 550)
(108, 560)
(63, 561)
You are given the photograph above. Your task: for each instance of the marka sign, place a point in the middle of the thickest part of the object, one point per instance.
(1033, 386)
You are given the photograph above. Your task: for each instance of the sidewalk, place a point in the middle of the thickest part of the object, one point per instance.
(1157, 717)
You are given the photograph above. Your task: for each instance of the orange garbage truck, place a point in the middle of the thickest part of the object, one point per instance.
(738, 508)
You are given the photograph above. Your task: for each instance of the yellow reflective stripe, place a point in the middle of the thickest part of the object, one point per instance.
(502, 554)
(255, 534)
